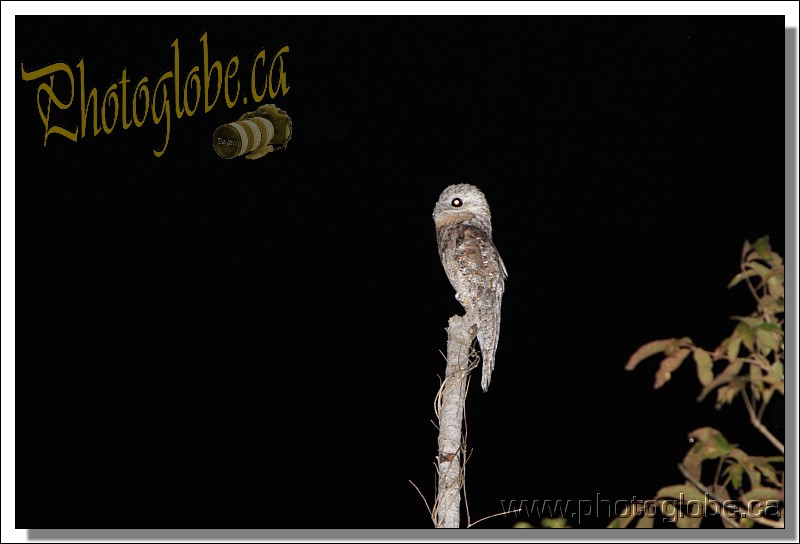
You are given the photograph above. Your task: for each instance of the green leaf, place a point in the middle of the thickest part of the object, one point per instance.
(705, 366)
(775, 373)
(749, 320)
(725, 395)
(733, 348)
(756, 374)
(744, 331)
(746, 247)
(723, 377)
(626, 517)
(760, 269)
(722, 443)
(712, 445)
(772, 327)
(555, 523)
(647, 350)
(768, 340)
(704, 446)
(740, 276)
(645, 522)
(772, 459)
(735, 472)
(683, 495)
(756, 381)
(673, 348)
(767, 470)
(747, 463)
(668, 366)
(763, 362)
(762, 246)
(770, 304)
(776, 286)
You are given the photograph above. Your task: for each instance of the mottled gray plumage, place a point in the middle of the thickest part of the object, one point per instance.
(473, 265)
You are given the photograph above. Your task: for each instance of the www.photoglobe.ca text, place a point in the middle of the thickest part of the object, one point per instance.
(668, 509)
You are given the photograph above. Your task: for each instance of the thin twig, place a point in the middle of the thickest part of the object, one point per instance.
(727, 481)
(437, 400)
(761, 410)
(707, 491)
(423, 498)
(718, 503)
(750, 286)
(719, 470)
(760, 426)
(760, 364)
(494, 516)
(729, 505)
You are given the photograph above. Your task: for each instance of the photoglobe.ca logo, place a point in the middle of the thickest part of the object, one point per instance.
(132, 105)
(665, 509)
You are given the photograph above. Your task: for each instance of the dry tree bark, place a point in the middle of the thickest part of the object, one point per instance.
(450, 401)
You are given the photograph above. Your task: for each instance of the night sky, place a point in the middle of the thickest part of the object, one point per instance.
(230, 343)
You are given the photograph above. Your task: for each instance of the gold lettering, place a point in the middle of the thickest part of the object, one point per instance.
(282, 77)
(106, 97)
(194, 79)
(177, 78)
(141, 89)
(228, 76)
(258, 97)
(124, 82)
(207, 76)
(156, 103)
(52, 98)
(85, 105)
(164, 109)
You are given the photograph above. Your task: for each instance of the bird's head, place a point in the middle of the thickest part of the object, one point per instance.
(462, 202)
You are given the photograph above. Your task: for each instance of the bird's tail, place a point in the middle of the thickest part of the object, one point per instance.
(486, 371)
(488, 335)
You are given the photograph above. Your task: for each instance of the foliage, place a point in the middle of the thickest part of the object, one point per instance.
(547, 523)
(745, 489)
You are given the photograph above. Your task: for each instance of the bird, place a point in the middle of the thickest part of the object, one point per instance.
(472, 263)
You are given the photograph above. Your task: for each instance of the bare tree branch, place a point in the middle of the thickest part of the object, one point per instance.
(423, 498)
(756, 422)
(494, 516)
(449, 406)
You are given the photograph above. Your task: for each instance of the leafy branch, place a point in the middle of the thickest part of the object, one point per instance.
(753, 359)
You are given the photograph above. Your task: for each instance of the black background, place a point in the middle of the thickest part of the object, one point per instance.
(212, 343)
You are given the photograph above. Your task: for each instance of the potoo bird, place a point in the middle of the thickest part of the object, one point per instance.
(473, 265)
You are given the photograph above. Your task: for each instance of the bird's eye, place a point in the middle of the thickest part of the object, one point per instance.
(456, 203)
